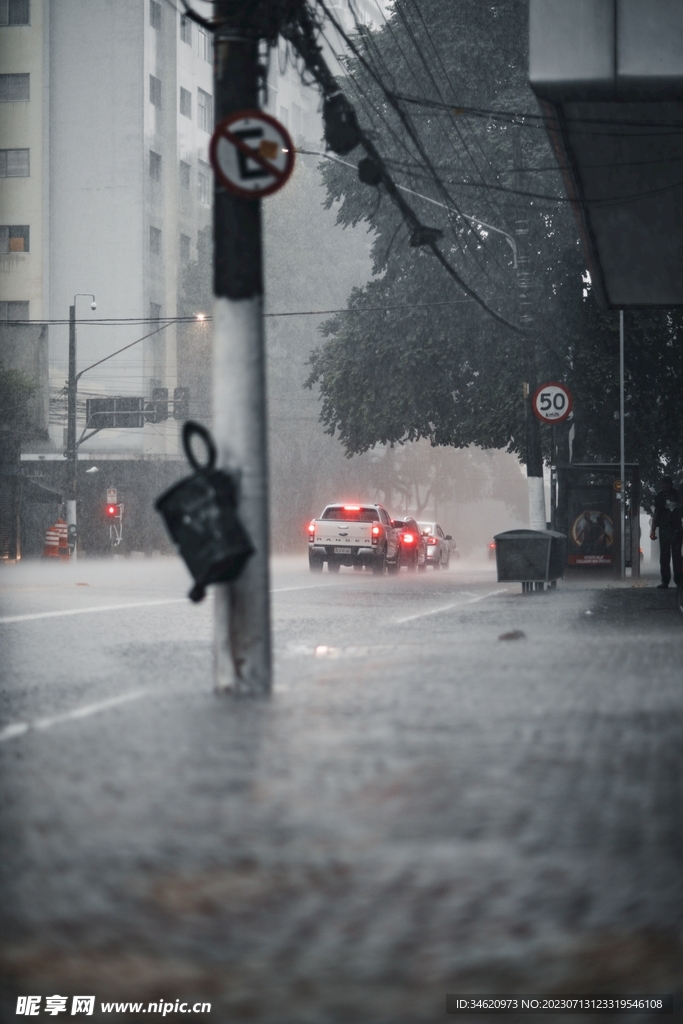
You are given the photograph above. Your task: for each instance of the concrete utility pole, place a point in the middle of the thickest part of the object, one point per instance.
(71, 445)
(242, 650)
(534, 451)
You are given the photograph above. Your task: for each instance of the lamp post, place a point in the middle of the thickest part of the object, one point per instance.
(71, 446)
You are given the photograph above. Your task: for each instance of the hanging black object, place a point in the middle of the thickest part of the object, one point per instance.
(422, 235)
(200, 513)
(369, 172)
(342, 133)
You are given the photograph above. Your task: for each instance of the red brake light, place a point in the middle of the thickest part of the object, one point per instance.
(352, 508)
(431, 540)
(311, 526)
(492, 545)
(408, 538)
(375, 531)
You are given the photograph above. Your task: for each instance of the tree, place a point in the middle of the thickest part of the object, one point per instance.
(450, 373)
(16, 389)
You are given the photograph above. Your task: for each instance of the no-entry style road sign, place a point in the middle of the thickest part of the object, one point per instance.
(251, 153)
(552, 402)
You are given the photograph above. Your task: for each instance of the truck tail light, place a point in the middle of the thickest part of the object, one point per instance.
(408, 538)
(311, 531)
(431, 540)
(375, 534)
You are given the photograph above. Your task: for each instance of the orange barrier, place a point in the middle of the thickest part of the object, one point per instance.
(51, 547)
(63, 534)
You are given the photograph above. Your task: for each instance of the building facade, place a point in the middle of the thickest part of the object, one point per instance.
(106, 112)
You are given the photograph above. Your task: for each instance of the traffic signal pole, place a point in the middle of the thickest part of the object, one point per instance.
(242, 647)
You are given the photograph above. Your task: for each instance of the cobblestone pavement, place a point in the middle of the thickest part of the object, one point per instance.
(454, 788)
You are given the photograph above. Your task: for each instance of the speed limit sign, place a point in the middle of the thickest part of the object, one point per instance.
(552, 402)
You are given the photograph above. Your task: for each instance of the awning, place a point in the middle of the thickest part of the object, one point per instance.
(609, 74)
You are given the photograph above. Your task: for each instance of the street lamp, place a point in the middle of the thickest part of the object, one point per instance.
(71, 446)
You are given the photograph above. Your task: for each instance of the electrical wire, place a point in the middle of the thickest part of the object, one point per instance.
(514, 116)
(398, 7)
(370, 43)
(448, 78)
(412, 133)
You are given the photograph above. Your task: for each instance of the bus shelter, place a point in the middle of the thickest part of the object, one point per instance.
(589, 513)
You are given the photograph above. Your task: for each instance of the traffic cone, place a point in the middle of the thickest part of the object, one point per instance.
(51, 547)
(63, 534)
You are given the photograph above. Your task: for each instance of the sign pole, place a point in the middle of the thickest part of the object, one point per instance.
(242, 646)
(622, 460)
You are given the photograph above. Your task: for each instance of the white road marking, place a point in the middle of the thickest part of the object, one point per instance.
(88, 611)
(448, 607)
(19, 728)
(308, 586)
(123, 607)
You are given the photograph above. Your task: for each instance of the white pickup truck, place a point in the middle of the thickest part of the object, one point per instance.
(357, 535)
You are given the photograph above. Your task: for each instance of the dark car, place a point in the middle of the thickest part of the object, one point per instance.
(438, 545)
(413, 546)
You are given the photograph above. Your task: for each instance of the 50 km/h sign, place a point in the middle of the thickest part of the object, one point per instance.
(251, 153)
(552, 402)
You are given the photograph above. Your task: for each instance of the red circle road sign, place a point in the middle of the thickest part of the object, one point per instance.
(251, 153)
(551, 402)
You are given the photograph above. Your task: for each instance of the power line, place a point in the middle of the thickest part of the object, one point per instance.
(294, 312)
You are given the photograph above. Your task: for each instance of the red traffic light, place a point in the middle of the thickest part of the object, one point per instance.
(112, 510)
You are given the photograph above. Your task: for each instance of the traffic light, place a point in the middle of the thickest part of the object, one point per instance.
(181, 403)
(157, 409)
(112, 511)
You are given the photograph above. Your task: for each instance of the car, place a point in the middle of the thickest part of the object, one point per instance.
(413, 546)
(438, 545)
(355, 535)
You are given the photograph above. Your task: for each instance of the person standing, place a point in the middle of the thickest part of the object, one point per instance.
(667, 518)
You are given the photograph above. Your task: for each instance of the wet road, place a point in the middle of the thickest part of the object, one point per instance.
(453, 788)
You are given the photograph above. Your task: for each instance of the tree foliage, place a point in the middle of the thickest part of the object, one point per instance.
(16, 389)
(449, 372)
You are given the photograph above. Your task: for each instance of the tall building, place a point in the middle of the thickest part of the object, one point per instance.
(106, 112)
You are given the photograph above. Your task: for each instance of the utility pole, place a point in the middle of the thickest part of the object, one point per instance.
(71, 449)
(534, 451)
(242, 649)
(71, 445)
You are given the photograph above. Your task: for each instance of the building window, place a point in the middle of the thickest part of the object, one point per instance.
(185, 102)
(154, 311)
(13, 310)
(155, 241)
(14, 163)
(154, 165)
(184, 175)
(204, 183)
(185, 29)
(154, 14)
(15, 12)
(184, 249)
(204, 45)
(204, 110)
(14, 88)
(14, 238)
(155, 91)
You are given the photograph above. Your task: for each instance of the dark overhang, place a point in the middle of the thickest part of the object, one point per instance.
(609, 75)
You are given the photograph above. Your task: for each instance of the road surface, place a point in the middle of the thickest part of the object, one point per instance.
(453, 788)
